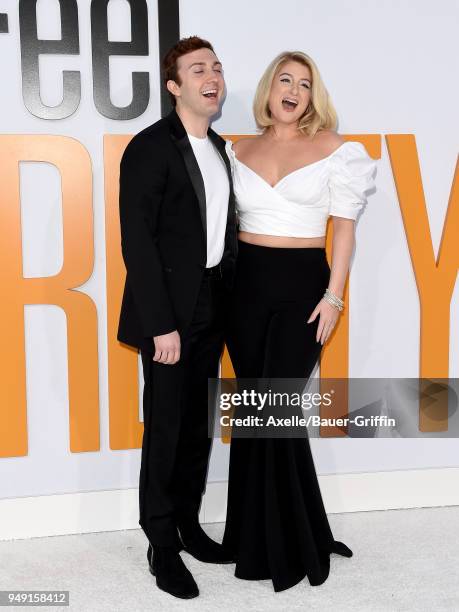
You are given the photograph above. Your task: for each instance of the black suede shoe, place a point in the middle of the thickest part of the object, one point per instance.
(197, 543)
(341, 549)
(172, 575)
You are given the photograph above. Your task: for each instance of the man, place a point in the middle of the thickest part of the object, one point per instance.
(178, 234)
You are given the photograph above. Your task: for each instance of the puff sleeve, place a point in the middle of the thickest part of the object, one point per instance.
(352, 173)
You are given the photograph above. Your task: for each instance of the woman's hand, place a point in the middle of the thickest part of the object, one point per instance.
(328, 316)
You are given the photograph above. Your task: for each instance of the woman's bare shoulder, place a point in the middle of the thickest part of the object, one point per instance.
(328, 141)
(243, 145)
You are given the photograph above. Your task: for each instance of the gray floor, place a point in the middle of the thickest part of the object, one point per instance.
(403, 560)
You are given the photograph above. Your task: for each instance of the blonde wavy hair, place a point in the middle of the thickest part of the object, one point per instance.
(320, 113)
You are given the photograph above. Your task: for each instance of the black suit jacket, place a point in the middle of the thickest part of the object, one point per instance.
(163, 231)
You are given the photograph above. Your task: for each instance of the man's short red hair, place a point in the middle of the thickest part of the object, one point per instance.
(182, 47)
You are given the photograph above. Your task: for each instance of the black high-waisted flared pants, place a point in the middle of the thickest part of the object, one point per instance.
(276, 522)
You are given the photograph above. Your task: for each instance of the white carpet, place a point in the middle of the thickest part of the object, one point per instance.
(403, 560)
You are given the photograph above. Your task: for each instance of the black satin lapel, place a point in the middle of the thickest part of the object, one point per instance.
(220, 144)
(231, 229)
(195, 175)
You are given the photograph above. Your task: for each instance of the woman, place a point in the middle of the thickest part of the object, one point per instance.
(285, 304)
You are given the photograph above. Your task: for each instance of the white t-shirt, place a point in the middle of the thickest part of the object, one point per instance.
(216, 186)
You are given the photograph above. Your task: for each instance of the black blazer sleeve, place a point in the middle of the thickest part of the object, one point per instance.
(143, 175)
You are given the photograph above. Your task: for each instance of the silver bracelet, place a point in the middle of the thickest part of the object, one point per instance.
(333, 299)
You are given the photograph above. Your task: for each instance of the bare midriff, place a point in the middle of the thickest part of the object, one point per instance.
(286, 242)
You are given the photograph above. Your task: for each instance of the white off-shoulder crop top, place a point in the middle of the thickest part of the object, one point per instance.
(301, 202)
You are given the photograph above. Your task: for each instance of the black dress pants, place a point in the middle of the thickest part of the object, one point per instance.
(176, 444)
(276, 522)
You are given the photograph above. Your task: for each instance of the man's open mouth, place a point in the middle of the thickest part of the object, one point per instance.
(210, 93)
